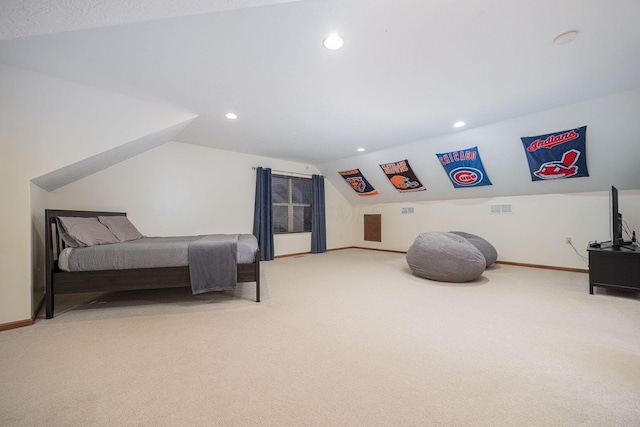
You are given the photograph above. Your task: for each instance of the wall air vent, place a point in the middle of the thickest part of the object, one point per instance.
(502, 209)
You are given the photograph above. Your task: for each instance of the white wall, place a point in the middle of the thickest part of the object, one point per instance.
(46, 124)
(183, 189)
(533, 234)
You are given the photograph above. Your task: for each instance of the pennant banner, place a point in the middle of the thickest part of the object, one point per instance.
(402, 177)
(358, 182)
(464, 168)
(557, 155)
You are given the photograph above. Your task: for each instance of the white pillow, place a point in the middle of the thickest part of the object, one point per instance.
(87, 231)
(121, 227)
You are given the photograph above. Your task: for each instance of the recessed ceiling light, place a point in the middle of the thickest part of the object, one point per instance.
(566, 37)
(231, 116)
(360, 149)
(458, 124)
(333, 41)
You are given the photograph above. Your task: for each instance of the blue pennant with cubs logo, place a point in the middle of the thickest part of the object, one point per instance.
(557, 155)
(358, 182)
(464, 168)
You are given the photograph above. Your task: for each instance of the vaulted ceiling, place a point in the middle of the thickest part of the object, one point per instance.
(407, 71)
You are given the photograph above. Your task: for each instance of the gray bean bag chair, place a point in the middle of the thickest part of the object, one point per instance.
(487, 249)
(445, 257)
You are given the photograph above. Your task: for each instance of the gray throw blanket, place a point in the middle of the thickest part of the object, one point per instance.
(213, 263)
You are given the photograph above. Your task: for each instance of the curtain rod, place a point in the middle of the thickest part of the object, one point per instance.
(290, 173)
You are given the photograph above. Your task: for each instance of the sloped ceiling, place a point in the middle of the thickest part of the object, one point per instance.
(408, 69)
(83, 168)
(612, 153)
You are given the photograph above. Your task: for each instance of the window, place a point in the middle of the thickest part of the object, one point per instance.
(291, 198)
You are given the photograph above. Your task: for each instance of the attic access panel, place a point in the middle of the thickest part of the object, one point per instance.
(373, 227)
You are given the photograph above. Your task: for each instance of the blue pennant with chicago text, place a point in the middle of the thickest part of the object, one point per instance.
(464, 168)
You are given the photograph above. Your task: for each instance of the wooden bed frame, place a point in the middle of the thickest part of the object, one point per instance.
(62, 282)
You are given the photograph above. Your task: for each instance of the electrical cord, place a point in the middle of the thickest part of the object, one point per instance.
(584, 258)
(627, 230)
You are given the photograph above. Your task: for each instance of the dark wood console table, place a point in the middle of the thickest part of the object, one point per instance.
(617, 268)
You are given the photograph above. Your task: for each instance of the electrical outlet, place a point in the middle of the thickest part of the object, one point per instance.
(567, 240)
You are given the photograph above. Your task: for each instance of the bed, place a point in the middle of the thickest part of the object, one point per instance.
(59, 281)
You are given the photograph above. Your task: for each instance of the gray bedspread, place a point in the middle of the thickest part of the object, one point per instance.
(149, 252)
(212, 263)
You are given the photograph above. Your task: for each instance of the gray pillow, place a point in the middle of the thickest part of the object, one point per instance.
(121, 227)
(87, 231)
(69, 241)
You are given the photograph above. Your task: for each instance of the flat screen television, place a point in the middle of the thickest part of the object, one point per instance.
(616, 220)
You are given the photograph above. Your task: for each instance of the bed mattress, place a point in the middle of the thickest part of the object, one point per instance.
(148, 252)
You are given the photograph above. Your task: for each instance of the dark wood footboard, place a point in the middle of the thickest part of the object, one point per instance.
(61, 282)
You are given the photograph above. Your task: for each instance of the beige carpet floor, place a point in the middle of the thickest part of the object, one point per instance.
(345, 338)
